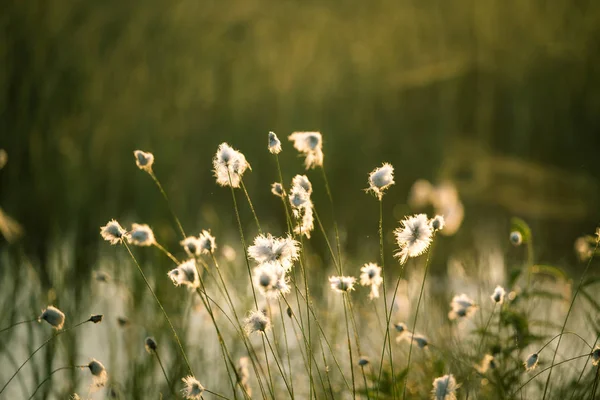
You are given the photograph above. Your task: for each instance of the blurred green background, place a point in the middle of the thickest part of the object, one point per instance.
(83, 84)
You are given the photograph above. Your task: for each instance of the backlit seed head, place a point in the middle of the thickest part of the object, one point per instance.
(380, 179)
(257, 321)
(112, 232)
(53, 316)
(342, 284)
(144, 160)
(516, 238)
(193, 389)
(277, 189)
(531, 362)
(498, 295)
(99, 372)
(141, 235)
(274, 143)
(596, 356)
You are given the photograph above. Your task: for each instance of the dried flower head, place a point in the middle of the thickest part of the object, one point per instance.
(112, 232)
(371, 276)
(486, 363)
(191, 245)
(420, 340)
(274, 143)
(141, 235)
(462, 307)
(185, 274)
(269, 278)
(531, 362)
(438, 223)
(516, 238)
(342, 284)
(96, 319)
(311, 145)
(150, 344)
(144, 160)
(444, 388)
(303, 182)
(267, 248)
(99, 372)
(498, 295)
(257, 321)
(413, 237)
(380, 179)
(193, 389)
(53, 316)
(229, 166)
(277, 189)
(596, 356)
(363, 361)
(401, 327)
(207, 242)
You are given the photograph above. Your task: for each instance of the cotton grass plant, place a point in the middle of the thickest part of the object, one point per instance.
(283, 329)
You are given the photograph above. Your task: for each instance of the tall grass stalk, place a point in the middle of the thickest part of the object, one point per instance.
(357, 342)
(164, 194)
(414, 325)
(162, 368)
(388, 314)
(481, 343)
(39, 348)
(167, 252)
(583, 276)
(584, 367)
(349, 346)
(335, 225)
(187, 363)
(18, 323)
(251, 205)
(281, 371)
(287, 348)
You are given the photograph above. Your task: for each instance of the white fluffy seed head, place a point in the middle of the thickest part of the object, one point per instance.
(462, 306)
(144, 160)
(277, 189)
(444, 388)
(112, 232)
(99, 373)
(270, 279)
(185, 274)
(420, 340)
(413, 237)
(486, 363)
(267, 248)
(498, 295)
(141, 235)
(371, 276)
(303, 182)
(342, 284)
(257, 321)
(380, 179)
(207, 242)
(191, 245)
(531, 362)
(274, 143)
(53, 316)
(311, 145)
(193, 389)
(229, 165)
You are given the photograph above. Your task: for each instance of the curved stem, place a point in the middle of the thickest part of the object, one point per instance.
(567, 317)
(168, 203)
(165, 373)
(161, 308)
(279, 367)
(564, 333)
(38, 349)
(50, 377)
(17, 323)
(583, 369)
(251, 206)
(547, 368)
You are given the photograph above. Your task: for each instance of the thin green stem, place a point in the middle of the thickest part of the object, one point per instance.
(251, 206)
(335, 262)
(162, 191)
(564, 333)
(335, 226)
(349, 350)
(287, 385)
(544, 370)
(171, 389)
(414, 325)
(268, 366)
(285, 339)
(357, 341)
(215, 394)
(39, 348)
(161, 308)
(386, 338)
(50, 377)
(583, 369)
(167, 253)
(18, 323)
(567, 317)
(481, 343)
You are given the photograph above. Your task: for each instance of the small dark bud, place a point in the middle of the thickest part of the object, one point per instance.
(96, 318)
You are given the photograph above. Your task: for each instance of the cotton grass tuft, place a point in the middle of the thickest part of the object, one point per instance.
(311, 145)
(257, 321)
(53, 316)
(380, 179)
(274, 143)
(413, 237)
(498, 295)
(444, 388)
(531, 362)
(141, 235)
(229, 165)
(98, 372)
(462, 306)
(144, 160)
(185, 274)
(193, 389)
(371, 276)
(112, 232)
(596, 356)
(342, 284)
